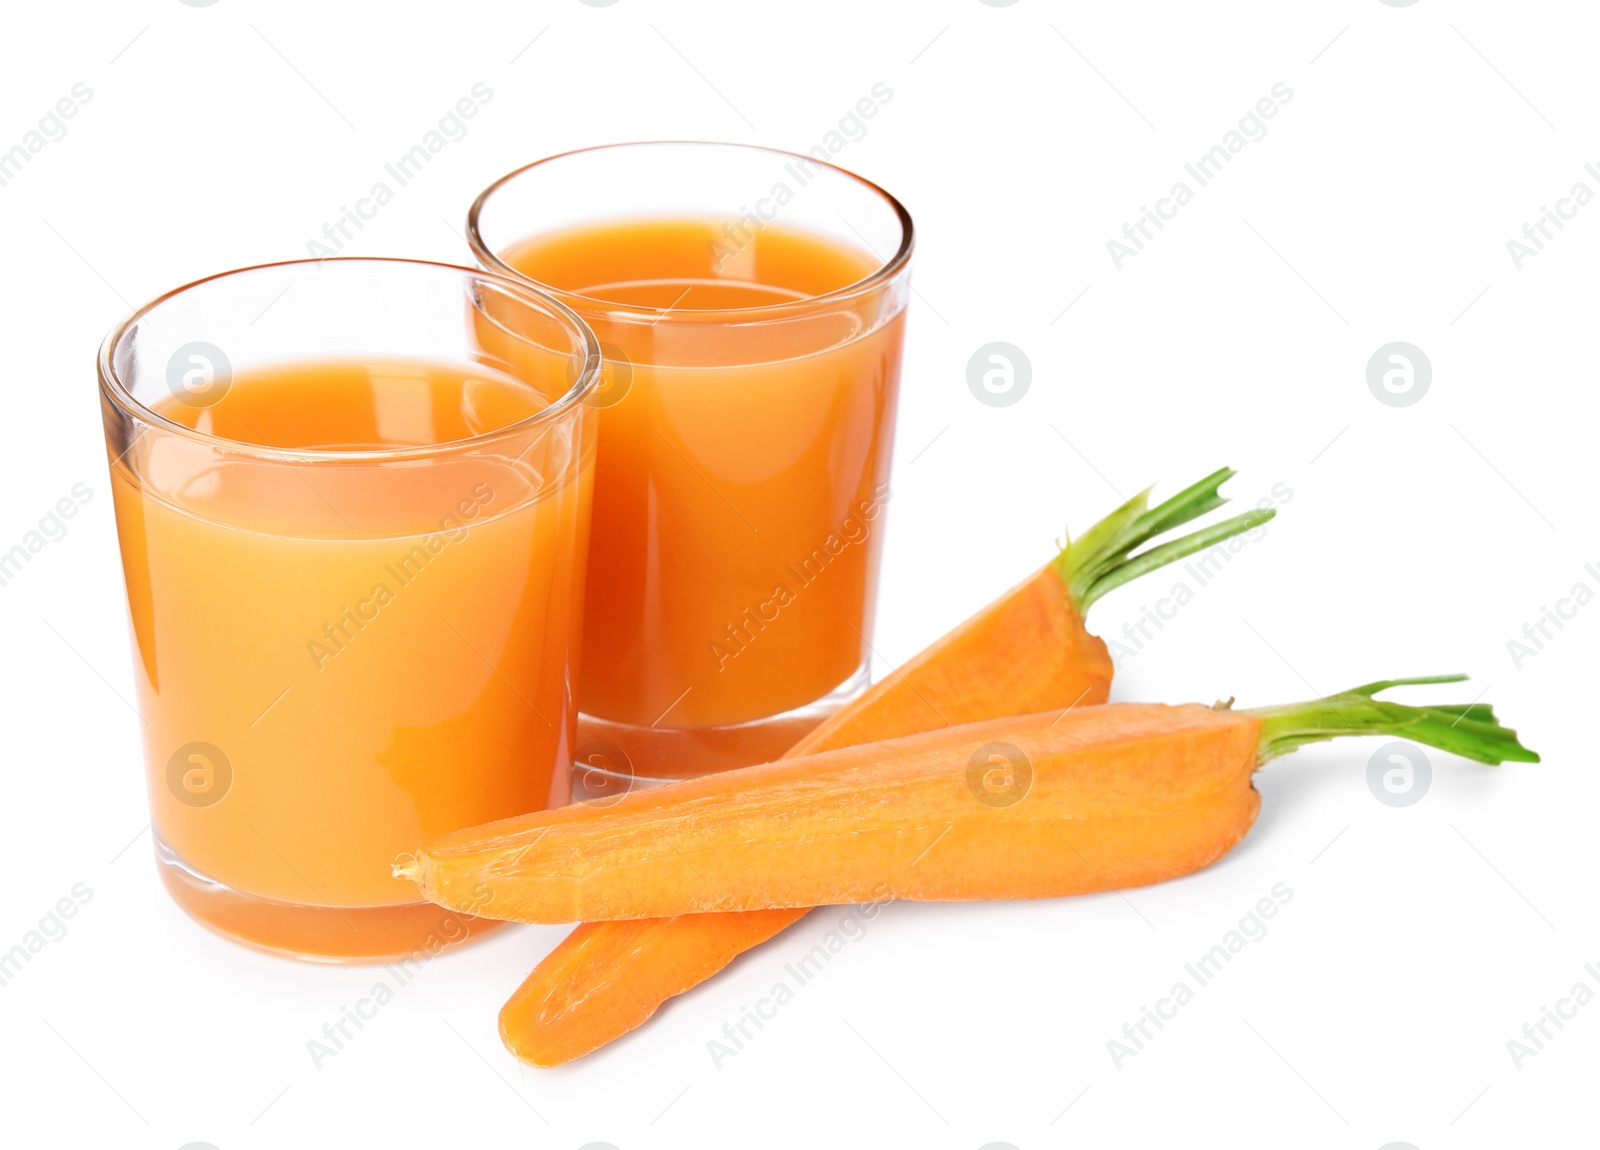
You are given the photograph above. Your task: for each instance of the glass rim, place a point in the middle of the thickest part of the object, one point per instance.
(116, 390)
(886, 270)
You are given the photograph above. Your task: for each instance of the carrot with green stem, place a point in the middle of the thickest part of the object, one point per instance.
(1026, 651)
(1035, 806)
(1029, 650)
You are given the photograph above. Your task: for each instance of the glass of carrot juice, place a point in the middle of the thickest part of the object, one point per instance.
(352, 498)
(750, 305)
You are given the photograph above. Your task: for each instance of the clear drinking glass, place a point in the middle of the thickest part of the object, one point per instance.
(750, 305)
(352, 497)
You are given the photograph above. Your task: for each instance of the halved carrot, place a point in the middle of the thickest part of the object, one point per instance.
(607, 978)
(1026, 651)
(1031, 807)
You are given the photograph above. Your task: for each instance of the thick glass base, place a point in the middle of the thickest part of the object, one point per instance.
(310, 933)
(614, 758)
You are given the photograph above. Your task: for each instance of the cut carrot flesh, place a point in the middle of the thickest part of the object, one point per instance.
(612, 976)
(606, 978)
(1135, 793)
(1027, 651)
(1095, 797)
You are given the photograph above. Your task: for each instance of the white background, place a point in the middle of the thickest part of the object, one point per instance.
(1418, 539)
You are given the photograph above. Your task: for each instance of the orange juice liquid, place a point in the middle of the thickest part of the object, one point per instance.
(743, 475)
(336, 662)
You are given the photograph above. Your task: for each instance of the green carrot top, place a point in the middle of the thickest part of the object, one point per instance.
(1470, 730)
(1103, 559)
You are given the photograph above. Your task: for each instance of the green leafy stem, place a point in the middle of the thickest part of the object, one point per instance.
(1470, 730)
(1107, 555)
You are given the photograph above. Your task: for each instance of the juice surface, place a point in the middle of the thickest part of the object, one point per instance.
(742, 476)
(336, 661)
